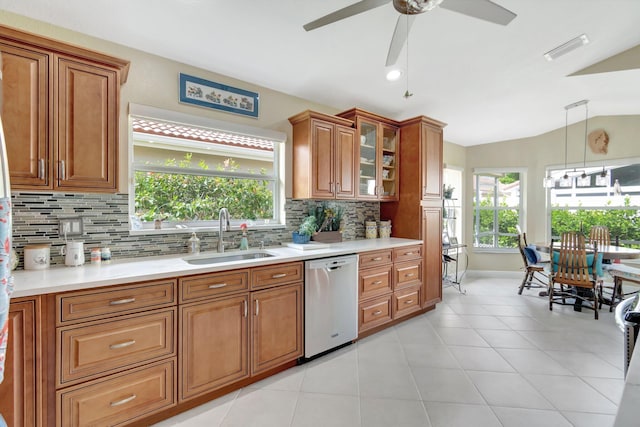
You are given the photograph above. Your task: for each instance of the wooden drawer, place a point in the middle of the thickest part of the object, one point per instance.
(407, 252)
(195, 288)
(95, 349)
(108, 302)
(374, 282)
(374, 312)
(407, 274)
(118, 399)
(375, 258)
(264, 277)
(406, 301)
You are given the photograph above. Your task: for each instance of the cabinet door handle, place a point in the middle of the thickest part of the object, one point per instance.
(41, 168)
(217, 286)
(279, 276)
(122, 344)
(123, 401)
(63, 171)
(122, 301)
(408, 301)
(337, 187)
(246, 308)
(257, 307)
(377, 312)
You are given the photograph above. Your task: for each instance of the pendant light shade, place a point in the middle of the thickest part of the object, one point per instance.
(602, 179)
(549, 182)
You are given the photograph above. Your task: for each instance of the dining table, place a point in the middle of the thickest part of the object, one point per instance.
(609, 252)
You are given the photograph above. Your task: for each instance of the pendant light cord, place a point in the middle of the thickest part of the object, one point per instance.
(407, 94)
(586, 121)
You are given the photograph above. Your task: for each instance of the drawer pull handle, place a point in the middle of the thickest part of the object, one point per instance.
(123, 401)
(217, 286)
(377, 312)
(408, 301)
(122, 301)
(409, 275)
(279, 276)
(122, 345)
(377, 282)
(246, 308)
(376, 259)
(408, 253)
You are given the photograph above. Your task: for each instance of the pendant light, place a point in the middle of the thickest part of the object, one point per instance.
(584, 180)
(602, 179)
(407, 94)
(565, 181)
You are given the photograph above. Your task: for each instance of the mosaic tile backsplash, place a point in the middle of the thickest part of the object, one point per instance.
(106, 224)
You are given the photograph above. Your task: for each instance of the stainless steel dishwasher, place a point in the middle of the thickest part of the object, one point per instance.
(330, 303)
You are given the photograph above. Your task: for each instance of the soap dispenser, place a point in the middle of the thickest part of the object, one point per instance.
(244, 242)
(194, 244)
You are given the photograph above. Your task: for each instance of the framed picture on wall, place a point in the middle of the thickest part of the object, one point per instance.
(205, 93)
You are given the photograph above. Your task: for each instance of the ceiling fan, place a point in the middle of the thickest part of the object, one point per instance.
(481, 9)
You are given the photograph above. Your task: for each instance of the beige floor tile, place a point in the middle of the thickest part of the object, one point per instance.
(261, 408)
(446, 385)
(393, 412)
(480, 359)
(508, 389)
(571, 394)
(460, 415)
(322, 410)
(520, 417)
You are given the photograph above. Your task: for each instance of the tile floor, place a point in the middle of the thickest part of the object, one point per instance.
(487, 358)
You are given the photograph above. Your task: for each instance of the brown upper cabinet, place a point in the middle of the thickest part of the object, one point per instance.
(60, 114)
(378, 161)
(324, 157)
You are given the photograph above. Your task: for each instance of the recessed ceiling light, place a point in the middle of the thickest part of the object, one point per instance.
(394, 75)
(567, 47)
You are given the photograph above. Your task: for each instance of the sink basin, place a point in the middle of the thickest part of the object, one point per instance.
(220, 258)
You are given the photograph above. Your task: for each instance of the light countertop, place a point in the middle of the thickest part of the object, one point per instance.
(628, 412)
(62, 278)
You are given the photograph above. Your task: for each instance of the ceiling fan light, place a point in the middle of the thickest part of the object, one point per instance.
(394, 75)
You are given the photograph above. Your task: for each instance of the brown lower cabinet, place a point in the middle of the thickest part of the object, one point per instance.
(214, 345)
(19, 392)
(390, 284)
(137, 353)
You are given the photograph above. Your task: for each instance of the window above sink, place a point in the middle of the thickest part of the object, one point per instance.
(184, 169)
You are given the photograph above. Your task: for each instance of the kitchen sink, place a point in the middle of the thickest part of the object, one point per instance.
(220, 258)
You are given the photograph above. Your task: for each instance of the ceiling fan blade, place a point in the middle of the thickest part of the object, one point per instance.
(481, 9)
(403, 25)
(354, 9)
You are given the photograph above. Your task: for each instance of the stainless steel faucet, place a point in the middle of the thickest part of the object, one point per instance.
(224, 220)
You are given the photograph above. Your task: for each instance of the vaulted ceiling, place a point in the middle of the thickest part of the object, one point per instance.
(488, 82)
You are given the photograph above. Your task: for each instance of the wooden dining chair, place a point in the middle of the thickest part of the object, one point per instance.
(535, 275)
(571, 269)
(600, 234)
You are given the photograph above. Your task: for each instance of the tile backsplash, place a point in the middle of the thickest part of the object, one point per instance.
(106, 224)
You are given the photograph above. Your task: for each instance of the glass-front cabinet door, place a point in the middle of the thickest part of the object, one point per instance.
(369, 159)
(388, 161)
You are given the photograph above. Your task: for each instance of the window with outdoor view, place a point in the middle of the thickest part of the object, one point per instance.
(183, 175)
(611, 198)
(497, 205)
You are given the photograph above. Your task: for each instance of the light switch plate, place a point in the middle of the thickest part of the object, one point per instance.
(72, 226)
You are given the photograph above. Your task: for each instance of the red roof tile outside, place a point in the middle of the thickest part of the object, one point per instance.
(199, 134)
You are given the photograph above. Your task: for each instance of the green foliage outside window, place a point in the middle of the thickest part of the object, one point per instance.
(507, 221)
(622, 223)
(185, 197)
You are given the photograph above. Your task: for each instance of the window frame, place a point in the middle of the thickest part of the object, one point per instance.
(521, 208)
(169, 227)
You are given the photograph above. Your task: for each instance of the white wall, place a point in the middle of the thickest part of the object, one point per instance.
(536, 153)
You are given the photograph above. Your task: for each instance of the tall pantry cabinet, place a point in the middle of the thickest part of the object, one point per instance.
(60, 113)
(418, 212)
